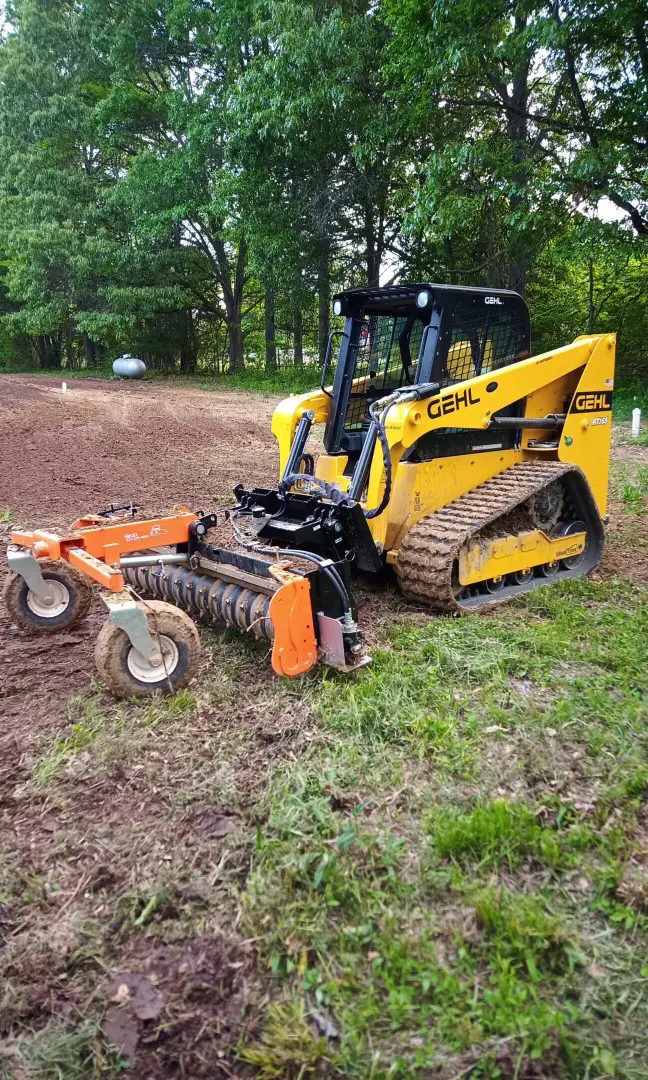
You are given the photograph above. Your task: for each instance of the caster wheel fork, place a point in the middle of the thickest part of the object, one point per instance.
(45, 594)
(144, 647)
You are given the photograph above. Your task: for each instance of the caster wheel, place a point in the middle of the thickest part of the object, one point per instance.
(127, 673)
(68, 600)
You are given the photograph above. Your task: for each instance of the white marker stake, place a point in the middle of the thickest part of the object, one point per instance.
(636, 422)
(64, 388)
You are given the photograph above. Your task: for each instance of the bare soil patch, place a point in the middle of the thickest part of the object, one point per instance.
(106, 443)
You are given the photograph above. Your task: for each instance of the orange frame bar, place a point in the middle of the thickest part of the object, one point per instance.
(96, 549)
(107, 576)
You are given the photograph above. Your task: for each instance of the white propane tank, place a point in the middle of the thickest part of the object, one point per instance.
(129, 367)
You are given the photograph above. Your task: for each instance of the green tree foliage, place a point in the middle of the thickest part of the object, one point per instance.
(193, 179)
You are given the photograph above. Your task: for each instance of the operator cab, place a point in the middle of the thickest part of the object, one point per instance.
(402, 335)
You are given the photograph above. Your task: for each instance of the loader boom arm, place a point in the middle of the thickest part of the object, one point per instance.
(289, 412)
(473, 403)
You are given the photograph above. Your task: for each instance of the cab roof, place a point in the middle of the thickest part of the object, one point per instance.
(401, 298)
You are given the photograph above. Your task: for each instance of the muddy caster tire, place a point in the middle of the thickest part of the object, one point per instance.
(69, 599)
(128, 674)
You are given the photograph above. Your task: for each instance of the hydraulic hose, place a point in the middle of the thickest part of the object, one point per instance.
(384, 445)
(405, 393)
(333, 493)
(330, 491)
(266, 549)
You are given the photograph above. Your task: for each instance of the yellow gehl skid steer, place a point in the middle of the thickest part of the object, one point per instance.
(479, 472)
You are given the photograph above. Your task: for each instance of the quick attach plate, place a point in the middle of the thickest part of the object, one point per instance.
(312, 523)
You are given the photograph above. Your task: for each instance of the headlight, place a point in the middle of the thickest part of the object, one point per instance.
(423, 298)
(337, 307)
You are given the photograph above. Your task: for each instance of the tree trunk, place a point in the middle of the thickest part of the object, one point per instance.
(236, 350)
(448, 258)
(23, 348)
(235, 346)
(71, 359)
(298, 344)
(270, 332)
(89, 351)
(48, 350)
(641, 39)
(372, 255)
(232, 280)
(324, 300)
(235, 312)
(188, 347)
(591, 314)
(517, 130)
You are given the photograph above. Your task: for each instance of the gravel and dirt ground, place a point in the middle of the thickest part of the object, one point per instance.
(128, 830)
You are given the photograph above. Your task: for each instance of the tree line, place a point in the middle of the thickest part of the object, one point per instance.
(191, 180)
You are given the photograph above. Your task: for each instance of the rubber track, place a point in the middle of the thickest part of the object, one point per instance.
(428, 552)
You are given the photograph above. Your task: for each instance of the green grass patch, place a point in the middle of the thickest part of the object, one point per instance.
(67, 374)
(524, 934)
(492, 834)
(87, 726)
(288, 380)
(288, 1045)
(253, 379)
(431, 921)
(630, 484)
(111, 735)
(627, 398)
(56, 1053)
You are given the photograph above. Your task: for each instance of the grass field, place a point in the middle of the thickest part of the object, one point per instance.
(456, 867)
(443, 869)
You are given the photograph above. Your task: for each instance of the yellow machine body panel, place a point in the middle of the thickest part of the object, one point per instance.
(576, 380)
(495, 558)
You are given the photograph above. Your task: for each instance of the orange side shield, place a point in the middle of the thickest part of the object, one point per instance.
(295, 646)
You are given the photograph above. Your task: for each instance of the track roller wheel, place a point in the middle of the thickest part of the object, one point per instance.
(68, 600)
(522, 577)
(494, 584)
(127, 673)
(572, 561)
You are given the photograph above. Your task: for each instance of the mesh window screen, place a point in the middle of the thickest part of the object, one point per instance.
(482, 342)
(386, 357)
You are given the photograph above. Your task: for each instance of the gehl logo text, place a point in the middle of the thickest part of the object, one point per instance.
(592, 401)
(449, 403)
